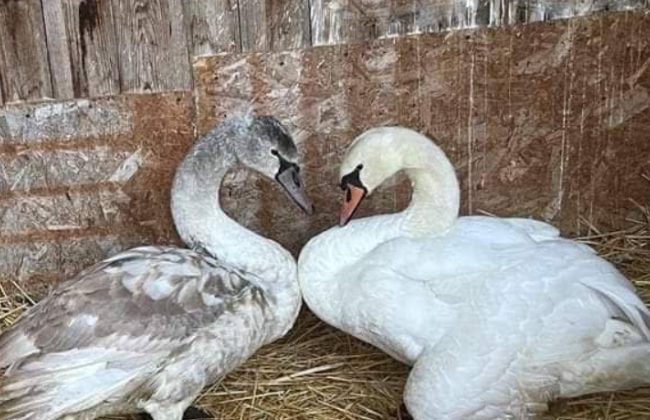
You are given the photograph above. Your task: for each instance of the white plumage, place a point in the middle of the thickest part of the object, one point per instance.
(497, 316)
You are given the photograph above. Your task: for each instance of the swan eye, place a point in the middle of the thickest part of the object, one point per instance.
(353, 178)
(275, 152)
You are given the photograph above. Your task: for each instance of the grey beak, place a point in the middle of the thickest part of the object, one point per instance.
(290, 180)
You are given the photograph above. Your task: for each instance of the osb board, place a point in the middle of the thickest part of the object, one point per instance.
(546, 120)
(82, 180)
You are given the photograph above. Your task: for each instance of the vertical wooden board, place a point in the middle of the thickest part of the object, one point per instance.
(23, 51)
(212, 26)
(336, 22)
(58, 51)
(83, 46)
(253, 25)
(152, 45)
(345, 21)
(288, 24)
(274, 25)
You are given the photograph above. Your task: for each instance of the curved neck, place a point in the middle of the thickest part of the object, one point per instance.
(202, 224)
(435, 203)
(332, 255)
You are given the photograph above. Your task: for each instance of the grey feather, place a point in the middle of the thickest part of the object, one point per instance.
(147, 329)
(98, 310)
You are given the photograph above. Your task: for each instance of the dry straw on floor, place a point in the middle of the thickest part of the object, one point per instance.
(317, 373)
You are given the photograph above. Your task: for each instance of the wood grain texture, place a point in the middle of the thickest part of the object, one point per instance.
(23, 52)
(153, 48)
(86, 32)
(274, 25)
(356, 21)
(535, 118)
(212, 26)
(58, 51)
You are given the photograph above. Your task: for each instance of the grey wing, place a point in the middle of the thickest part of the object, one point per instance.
(113, 325)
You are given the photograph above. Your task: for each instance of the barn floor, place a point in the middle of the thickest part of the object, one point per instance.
(318, 373)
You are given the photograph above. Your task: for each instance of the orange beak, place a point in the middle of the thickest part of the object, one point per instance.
(353, 197)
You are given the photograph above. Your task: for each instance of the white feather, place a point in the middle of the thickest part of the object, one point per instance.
(497, 315)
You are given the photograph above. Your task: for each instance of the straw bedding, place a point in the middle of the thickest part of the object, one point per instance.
(317, 373)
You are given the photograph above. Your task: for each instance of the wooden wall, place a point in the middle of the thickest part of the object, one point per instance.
(62, 49)
(548, 119)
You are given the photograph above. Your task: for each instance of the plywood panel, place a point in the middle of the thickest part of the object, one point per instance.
(85, 178)
(23, 52)
(153, 48)
(212, 26)
(606, 148)
(533, 126)
(274, 25)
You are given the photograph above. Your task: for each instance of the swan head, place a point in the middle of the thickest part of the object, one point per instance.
(378, 154)
(264, 145)
(272, 152)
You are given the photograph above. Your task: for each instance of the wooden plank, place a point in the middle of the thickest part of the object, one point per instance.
(212, 26)
(83, 47)
(152, 45)
(253, 25)
(58, 52)
(23, 52)
(355, 21)
(274, 25)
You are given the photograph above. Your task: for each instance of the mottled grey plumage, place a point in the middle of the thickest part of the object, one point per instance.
(149, 328)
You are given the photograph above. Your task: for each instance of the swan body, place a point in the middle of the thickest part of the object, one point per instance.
(149, 328)
(497, 316)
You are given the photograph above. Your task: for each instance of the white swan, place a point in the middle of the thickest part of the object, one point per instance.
(149, 328)
(497, 315)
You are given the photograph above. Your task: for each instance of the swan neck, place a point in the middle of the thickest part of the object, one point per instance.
(202, 224)
(435, 202)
